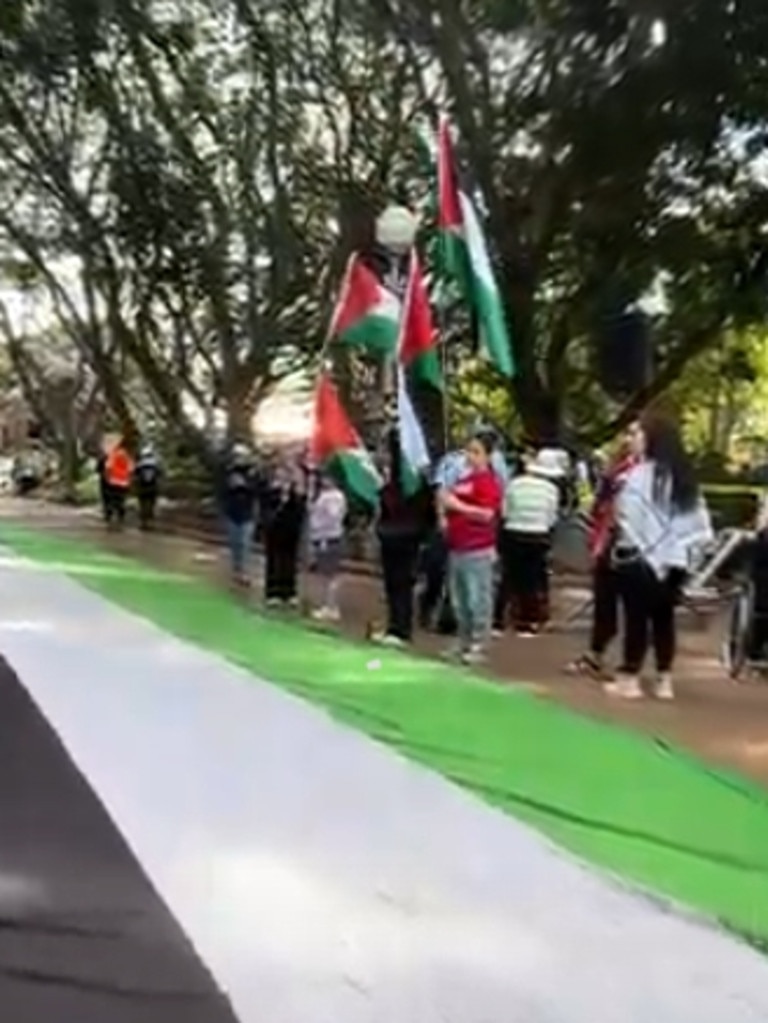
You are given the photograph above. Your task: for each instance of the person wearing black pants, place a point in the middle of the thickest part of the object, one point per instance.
(605, 580)
(435, 609)
(605, 621)
(660, 518)
(531, 505)
(605, 613)
(403, 522)
(282, 518)
(649, 604)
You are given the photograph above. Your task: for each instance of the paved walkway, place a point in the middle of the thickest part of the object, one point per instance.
(723, 723)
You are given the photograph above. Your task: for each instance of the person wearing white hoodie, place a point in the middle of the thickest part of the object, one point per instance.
(661, 518)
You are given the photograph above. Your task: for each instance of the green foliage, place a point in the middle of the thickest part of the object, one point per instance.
(183, 186)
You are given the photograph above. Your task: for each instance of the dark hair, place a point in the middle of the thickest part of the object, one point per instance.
(674, 473)
(485, 440)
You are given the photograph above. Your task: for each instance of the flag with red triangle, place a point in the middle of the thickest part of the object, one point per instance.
(418, 364)
(417, 347)
(367, 314)
(466, 258)
(336, 446)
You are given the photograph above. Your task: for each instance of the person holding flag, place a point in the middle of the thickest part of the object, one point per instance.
(406, 508)
(403, 521)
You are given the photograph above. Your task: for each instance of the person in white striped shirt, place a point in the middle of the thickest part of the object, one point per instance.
(531, 508)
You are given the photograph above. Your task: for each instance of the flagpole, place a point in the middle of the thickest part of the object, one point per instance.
(442, 319)
(323, 364)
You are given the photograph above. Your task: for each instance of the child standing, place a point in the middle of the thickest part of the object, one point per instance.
(327, 515)
(470, 513)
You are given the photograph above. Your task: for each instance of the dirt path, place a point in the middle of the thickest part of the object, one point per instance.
(723, 723)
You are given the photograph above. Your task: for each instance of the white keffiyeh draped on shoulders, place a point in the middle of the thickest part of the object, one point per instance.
(663, 536)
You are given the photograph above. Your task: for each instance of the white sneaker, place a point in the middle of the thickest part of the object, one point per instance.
(497, 634)
(326, 614)
(455, 652)
(475, 655)
(663, 689)
(387, 639)
(624, 688)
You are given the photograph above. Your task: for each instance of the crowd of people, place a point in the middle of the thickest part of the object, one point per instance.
(468, 554)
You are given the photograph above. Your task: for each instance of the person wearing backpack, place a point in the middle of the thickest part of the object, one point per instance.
(146, 478)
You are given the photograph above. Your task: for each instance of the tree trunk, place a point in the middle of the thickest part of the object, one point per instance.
(240, 409)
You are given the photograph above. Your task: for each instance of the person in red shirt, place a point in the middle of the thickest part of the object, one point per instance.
(469, 513)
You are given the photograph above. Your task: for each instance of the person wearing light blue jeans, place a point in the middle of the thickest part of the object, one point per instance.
(237, 498)
(469, 512)
(239, 540)
(471, 584)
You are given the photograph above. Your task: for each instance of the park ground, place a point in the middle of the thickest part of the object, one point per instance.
(723, 723)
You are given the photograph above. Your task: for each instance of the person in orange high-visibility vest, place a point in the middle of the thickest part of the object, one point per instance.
(118, 472)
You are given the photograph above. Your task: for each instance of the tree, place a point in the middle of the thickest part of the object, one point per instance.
(205, 172)
(611, 143)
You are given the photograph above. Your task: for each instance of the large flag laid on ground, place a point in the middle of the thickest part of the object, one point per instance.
(467, 259)
(158, 922)
(367, 314)
(417, 350)
(337, 448)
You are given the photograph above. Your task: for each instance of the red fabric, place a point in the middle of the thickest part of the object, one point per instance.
(602, 517)
(332, 431)
(119, 468)
(360, 294)
(480, 489)
(417, 330)
(449, 214)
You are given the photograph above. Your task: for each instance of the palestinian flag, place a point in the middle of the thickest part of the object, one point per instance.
(413, 444)
(367, 314)
(467, 260)
(336, 446)
(417, 349)
(417, 364)
(215, 817)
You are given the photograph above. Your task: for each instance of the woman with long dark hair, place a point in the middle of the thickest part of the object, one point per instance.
(660, 518)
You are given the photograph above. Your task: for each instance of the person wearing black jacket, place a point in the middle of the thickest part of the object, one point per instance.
(283, 510)
(237, 498)
(104, 490)
(146, 479)
(404, 521)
